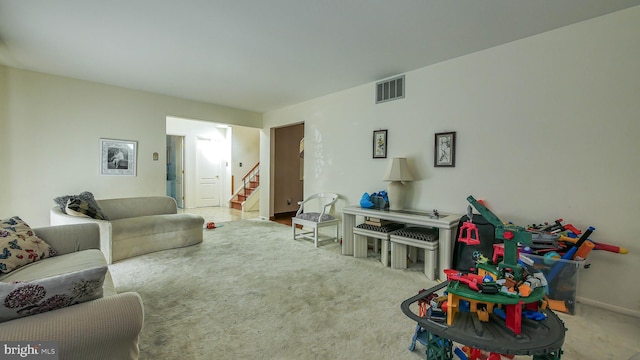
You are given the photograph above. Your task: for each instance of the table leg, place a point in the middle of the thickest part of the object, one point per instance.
(348, 222)
(384, 253)
(360, 246)
(444, 253)
(398, 256)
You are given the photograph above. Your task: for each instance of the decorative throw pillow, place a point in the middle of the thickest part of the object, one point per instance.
(21, 299)
(81, 208)
(61, 201)
(85, 196)
(19, 245)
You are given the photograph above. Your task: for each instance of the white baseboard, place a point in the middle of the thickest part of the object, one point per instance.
(616, 309)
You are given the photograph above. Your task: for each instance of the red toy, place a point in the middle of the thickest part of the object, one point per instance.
(469, 234)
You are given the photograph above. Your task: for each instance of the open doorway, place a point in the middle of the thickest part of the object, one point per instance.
(288, 170)
(228, 151)
(175, 168)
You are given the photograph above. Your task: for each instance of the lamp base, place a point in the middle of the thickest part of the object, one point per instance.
(395, 192)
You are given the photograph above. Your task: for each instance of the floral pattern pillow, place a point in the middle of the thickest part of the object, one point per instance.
(19, 245)
(21, 299)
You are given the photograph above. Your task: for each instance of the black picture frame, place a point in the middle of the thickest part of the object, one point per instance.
(380, 144)
(445, 149)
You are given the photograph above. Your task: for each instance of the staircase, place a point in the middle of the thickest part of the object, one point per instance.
(251, 182)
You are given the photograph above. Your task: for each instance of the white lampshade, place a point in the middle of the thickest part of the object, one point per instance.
(398, 171)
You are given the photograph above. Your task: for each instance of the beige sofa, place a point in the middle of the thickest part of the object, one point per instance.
(104, 328)
(138, 226)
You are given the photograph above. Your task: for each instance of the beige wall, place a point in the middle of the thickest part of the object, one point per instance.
(547, 127)
(51, 138)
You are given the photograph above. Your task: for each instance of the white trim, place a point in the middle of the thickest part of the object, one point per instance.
(616, 309)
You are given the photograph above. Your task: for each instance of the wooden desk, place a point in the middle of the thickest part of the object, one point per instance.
(446, 223)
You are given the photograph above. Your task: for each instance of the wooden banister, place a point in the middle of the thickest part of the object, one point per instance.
(250, 171)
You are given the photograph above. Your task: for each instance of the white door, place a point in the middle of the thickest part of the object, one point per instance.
(207, 173)
(180, 171)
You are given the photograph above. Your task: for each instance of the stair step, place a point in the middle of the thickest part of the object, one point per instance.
(236, 205)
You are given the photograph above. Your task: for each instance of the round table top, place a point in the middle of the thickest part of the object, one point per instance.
(463, 290)
(537, 337)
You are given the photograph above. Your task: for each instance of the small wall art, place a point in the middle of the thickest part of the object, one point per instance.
(118, 157)
(445, 149)
(380, 144)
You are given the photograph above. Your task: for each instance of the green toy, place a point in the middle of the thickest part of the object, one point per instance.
(510, 234)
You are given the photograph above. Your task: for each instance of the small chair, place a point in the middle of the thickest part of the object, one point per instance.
(315, 220)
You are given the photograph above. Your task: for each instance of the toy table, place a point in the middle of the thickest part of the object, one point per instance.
(541, 339)
(457, 291)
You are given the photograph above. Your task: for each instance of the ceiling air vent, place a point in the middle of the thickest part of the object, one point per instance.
(390, 89)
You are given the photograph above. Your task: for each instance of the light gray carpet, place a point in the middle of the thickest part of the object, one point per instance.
(250, 291)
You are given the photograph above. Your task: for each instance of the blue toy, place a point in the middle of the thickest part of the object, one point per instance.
(378, 200)
(365, 201)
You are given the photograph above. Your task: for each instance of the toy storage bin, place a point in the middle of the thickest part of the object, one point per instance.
(562, 279)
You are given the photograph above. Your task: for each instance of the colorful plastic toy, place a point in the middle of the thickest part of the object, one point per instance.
(476, 302)
(511, 234)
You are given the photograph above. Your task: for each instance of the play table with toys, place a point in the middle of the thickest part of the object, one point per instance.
(505, 314)
(483, 304)
(541, 339)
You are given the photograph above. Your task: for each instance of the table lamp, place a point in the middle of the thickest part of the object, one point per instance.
(397, 172)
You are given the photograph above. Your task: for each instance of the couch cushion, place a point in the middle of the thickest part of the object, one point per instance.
(314, 216)
(19, 245)
(62, 264)
(125, 208)
(19, 299)
(153, 224)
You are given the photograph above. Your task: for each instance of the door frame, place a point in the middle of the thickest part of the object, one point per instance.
(176, 149)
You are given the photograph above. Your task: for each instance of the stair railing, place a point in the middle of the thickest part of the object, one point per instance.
(250, 176)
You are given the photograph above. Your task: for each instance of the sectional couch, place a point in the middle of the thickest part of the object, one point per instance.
(136, 226)
(104, 325)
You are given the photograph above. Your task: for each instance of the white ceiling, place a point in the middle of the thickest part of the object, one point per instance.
(261, 55)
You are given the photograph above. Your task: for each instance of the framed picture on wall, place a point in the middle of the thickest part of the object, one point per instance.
(445, 150)
(380, 144)
(118, 157)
